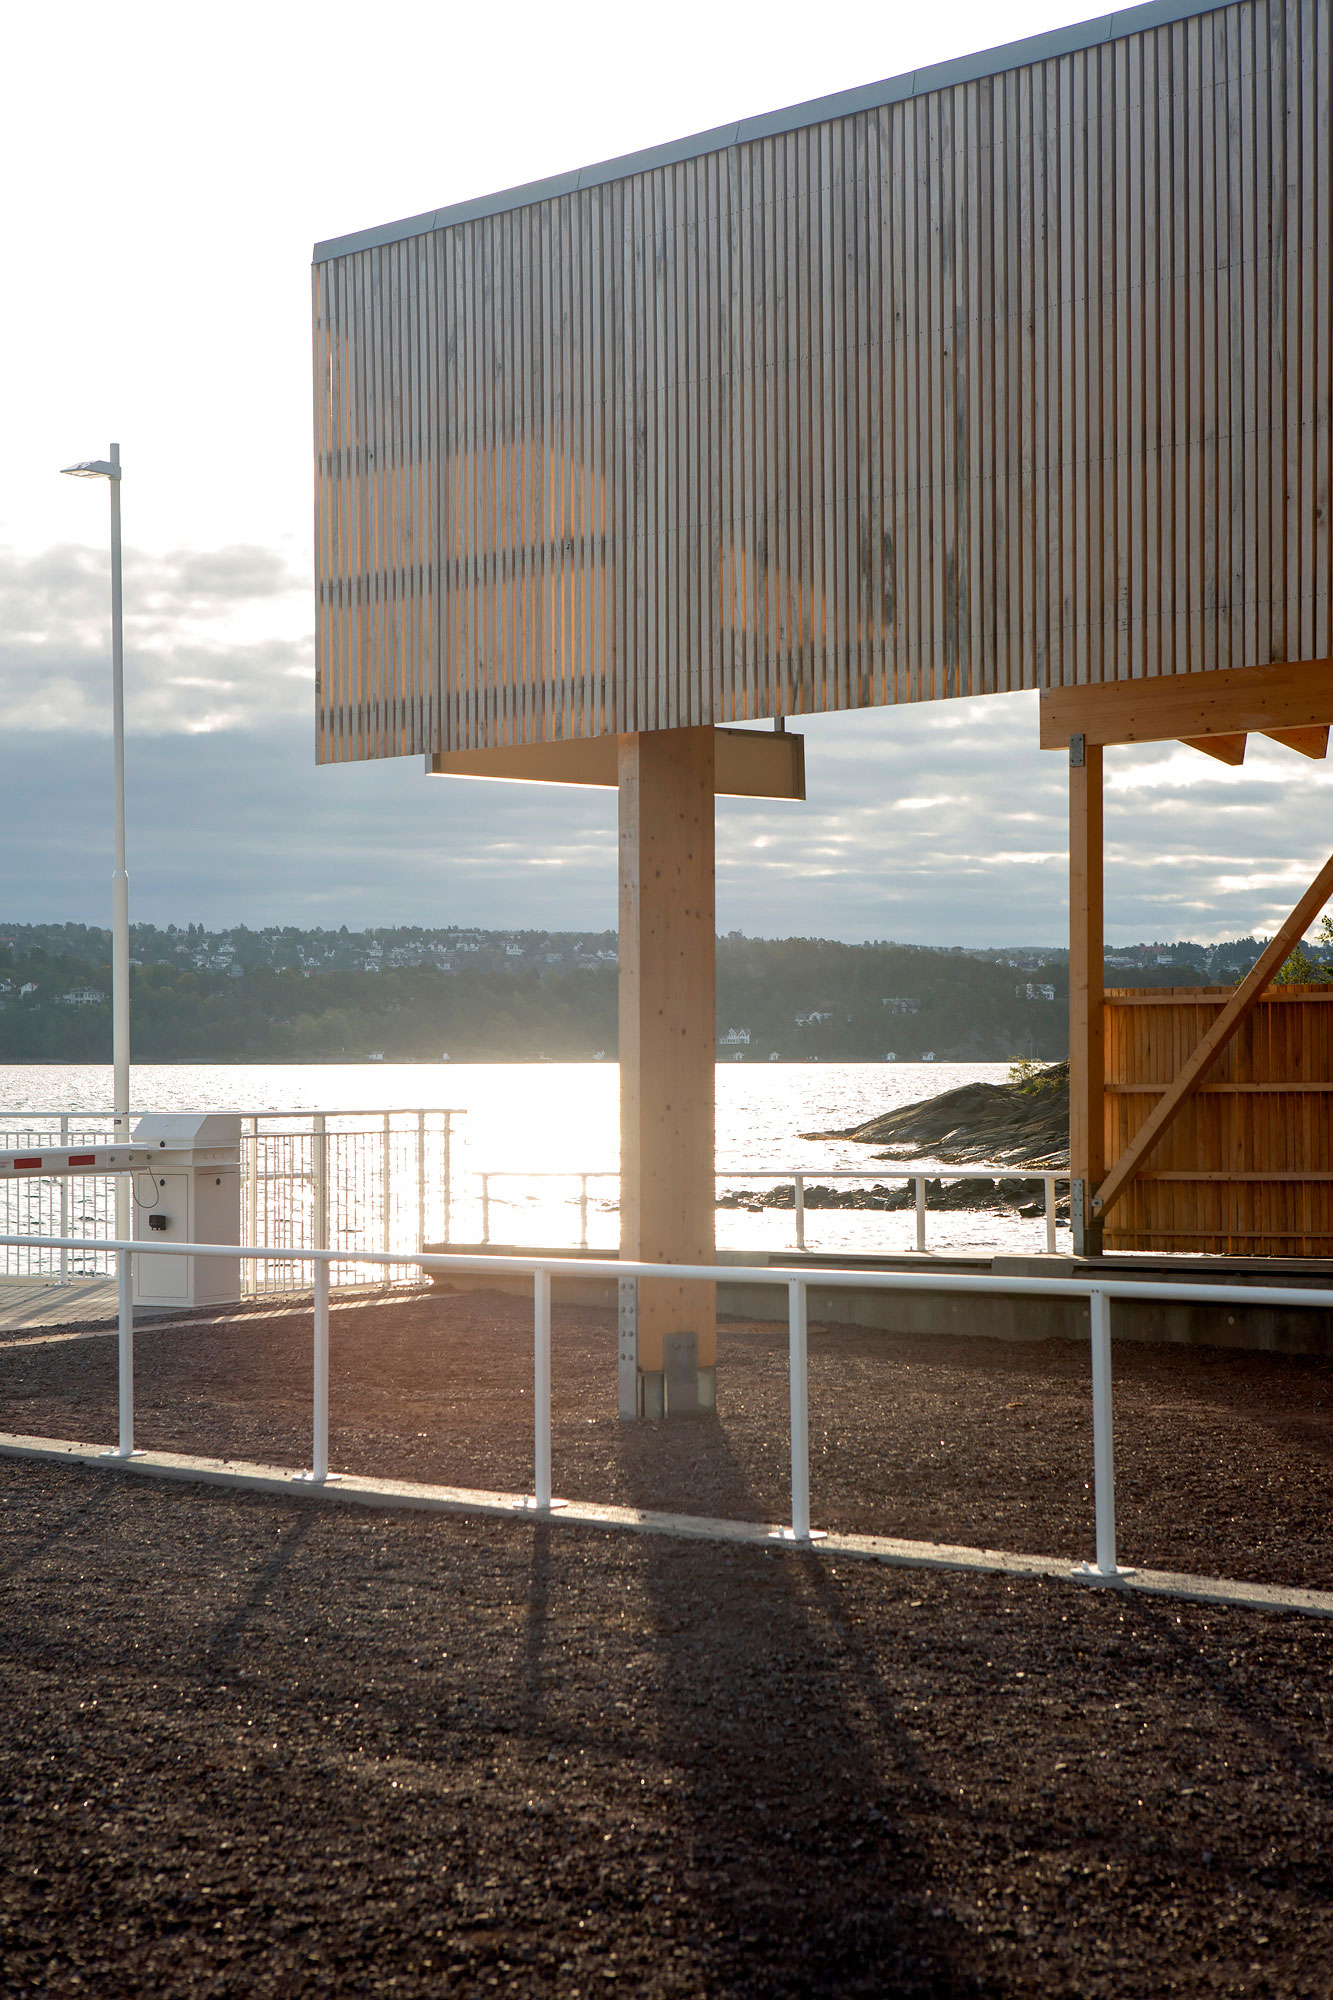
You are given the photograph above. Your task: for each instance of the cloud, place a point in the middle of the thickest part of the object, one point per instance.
(205, 645)
(939, 823)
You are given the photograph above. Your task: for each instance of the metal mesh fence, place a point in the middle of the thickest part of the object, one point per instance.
(376, 1181)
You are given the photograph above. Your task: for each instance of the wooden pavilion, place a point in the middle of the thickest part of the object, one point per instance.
(1011, 373)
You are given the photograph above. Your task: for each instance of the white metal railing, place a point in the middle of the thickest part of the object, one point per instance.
(798, 1177)
(80, 1205)
(349, 1187)
(349, 1181)
(1099, 1293)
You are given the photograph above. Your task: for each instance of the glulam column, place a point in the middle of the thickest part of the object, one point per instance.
(1087, 1051)
(668, 1329)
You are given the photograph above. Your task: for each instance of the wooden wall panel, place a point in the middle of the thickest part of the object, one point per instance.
(1247, 1167)
(1020, 382)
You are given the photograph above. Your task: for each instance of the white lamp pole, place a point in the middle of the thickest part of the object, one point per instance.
(109, 469)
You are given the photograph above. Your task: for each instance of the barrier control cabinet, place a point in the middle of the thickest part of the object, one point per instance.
(190, 1194)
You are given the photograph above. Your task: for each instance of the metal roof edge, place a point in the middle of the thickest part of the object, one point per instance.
(1053, 42)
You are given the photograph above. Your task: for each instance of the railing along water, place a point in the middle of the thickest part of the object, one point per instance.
(348, 1181)
(799, 1179)
(1099, 1293)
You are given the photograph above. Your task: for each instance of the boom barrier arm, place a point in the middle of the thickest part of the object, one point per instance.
(82, 1160)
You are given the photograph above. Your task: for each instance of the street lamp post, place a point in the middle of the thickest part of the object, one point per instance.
(109, 469)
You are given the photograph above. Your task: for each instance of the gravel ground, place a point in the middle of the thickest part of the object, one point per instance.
(1224, 1457)
(260, 1746)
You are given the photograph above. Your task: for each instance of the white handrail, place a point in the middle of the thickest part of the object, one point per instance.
(914, 1174)
(303, 1151)
(8, 1118)
(1099, 1291)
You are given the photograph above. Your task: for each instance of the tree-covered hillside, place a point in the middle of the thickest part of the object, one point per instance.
(287, 995)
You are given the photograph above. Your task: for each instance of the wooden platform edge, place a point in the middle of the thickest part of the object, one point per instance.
(358, 1490)
(1282, 699)
(750, 763)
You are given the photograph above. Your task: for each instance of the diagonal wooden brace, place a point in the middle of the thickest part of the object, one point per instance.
(1237, 1010)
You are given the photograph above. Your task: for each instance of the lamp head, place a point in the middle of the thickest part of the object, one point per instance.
(93, 468)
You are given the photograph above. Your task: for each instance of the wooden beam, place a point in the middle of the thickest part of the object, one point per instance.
(667, 1051)
(1237, 1010)
(1292, 695)
(1226, 749)
(1310, 742)
(749, 763)
(1087, 1057)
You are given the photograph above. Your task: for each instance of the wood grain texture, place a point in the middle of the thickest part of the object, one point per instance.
(1200, 1059)
(1246, 1169)
(667, 1028)
(1225, 749)
(1087, 1058)
(1021, 382)
(1286, 700)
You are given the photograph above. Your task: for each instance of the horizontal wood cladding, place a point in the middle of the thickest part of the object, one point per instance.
(1021, 382)
(1247, 1167)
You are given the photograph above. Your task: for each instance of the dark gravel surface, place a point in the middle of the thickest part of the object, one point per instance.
(1224, 1457)
(266, 1747)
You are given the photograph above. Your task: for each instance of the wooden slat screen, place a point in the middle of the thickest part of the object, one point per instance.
(1247, 1168)
(1020, 382)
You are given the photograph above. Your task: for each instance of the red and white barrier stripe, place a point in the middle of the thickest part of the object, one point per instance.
(83, 1160)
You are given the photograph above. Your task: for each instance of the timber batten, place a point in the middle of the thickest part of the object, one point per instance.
(1247, 1167)
(1023, 381)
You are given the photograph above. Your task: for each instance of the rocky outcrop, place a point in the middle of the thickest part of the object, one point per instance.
(1023, 1123)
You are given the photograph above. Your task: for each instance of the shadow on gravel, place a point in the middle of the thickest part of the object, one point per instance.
(231, 1634)
(792, 1764)
(68, 1524)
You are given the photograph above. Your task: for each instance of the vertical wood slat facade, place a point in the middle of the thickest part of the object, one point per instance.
(1023, 381)
(1246, 1170)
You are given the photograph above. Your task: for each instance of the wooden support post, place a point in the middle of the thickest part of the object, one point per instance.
(668, 1345)
(1087, 1054)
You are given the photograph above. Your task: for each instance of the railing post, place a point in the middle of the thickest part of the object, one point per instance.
(1103, 1432)
(319, 1462)
(800, 1211)
(448, 1175)
(319, 1172)
(485, 1208)
(800, 1410)
(250, 1269)
(386, 1212)
(919, 1181)
(421, 1182)
(64, 1204)
(125, 1352)
(1050, 1215)
(541, 1386)
(583, 1211)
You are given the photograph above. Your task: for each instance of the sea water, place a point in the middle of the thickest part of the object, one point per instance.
(563, 1119)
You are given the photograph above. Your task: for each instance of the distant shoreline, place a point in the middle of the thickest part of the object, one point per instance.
(467, 1062)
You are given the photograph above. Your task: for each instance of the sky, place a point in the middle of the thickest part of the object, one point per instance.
(166, 171)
